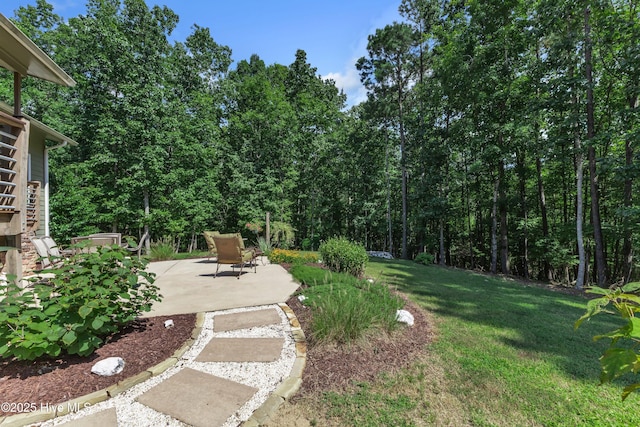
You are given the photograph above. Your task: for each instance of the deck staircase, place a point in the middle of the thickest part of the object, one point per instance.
(14, 137)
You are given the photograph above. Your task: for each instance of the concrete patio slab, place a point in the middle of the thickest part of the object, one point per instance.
(241, 350)
(245, 319)
(188, 286)
(197, 398)
(106, 418)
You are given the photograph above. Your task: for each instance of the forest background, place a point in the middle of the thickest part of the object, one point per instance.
(499, 136)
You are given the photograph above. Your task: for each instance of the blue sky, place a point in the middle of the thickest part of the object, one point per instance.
(333, 33)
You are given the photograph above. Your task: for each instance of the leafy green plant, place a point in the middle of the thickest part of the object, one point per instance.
(282, 234)
(309, 244)
(91, 296)
(424, 258)
(264, 246)
(618, 359)
(254, 226)
(341, 255)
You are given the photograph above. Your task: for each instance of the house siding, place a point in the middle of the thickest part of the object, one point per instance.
(36, 153)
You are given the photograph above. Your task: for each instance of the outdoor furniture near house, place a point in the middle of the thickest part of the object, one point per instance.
(53, 249)
(43, 253)
(211, 245)
(49, 253)
(230, 250)
(137, 249)
(88, 244)
(116, 236)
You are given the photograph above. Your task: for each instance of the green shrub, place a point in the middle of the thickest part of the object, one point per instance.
(282, 234)
(424, 258)
(308, 244)
(343, 256)
(91, 296)
(279, 256)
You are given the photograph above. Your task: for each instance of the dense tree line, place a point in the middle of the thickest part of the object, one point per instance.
(499, 136)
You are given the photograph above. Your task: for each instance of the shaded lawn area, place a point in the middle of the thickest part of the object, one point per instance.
(508, 353)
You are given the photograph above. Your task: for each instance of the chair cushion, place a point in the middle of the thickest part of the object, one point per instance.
(208, 237)
(238, 235)
(247, 256)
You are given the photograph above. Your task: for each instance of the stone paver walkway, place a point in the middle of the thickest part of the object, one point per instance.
(242, 365)
(197, 399)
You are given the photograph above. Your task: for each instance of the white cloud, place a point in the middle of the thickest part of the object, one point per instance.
(348, 81)
(349, 78)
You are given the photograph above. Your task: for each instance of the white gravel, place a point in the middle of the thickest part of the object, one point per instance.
(263, 376)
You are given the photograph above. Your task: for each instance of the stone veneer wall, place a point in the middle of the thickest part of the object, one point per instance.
(29, 255)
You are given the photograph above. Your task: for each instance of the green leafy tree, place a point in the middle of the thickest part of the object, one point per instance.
(388, 73)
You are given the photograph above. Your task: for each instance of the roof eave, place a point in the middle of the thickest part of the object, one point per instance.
(50, 134)
(20, 55)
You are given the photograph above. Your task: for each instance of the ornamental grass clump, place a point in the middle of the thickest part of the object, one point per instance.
(342, 256)
(91, 296)
(162, 251)
(343, 313)
(345, 309)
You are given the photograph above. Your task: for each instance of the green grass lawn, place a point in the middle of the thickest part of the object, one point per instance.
(505, 355)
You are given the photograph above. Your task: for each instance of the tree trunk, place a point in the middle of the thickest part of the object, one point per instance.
(627, 247)
(543, 213)
(147, 243)
(192, 242)
(442, 251)
(403, 167)
(468, 205)
(267, 229)
(580, 279)
(546, 266)
(389, 222)
(494, 228)
(504, 239)
(579, 166)
(600, 258)
(524, 214)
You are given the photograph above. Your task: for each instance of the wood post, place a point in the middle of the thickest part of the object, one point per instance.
(267, 230)
(17, 94)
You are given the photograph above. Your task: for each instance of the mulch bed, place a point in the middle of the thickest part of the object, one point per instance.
(331, 367)
(52, 381)
(148, 342)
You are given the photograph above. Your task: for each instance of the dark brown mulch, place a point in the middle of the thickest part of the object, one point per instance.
(338, 367)
(51, 381)
(149, 343)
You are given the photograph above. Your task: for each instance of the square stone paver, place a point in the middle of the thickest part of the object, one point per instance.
(241, 350)
(106, 418)
(197, 398)
(245, 319)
